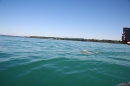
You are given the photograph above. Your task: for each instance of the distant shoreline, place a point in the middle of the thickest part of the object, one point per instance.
(79, 39)
(73, 39)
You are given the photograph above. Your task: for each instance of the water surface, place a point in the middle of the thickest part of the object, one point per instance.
(46, 62)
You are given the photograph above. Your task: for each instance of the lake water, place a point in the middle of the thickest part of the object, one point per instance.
(46, 62)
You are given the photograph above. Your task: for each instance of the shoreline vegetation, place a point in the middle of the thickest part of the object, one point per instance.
(73, 39)
(79, 39)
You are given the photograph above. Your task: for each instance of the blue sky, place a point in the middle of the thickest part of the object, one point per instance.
(98, 19)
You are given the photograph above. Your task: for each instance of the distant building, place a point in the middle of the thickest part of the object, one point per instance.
(126, 31)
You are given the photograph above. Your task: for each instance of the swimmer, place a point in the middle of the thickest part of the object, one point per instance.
(87, 52)
(84, 51)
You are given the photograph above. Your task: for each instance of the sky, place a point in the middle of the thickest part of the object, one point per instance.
(90, 19)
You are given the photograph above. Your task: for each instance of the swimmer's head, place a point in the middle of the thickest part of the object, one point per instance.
(84, 51)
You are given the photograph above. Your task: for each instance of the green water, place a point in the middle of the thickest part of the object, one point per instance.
(45, 62)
